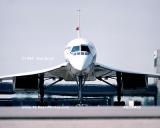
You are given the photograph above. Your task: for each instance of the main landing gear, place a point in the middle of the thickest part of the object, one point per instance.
(80, 83)
(41, 89)
(119, 90)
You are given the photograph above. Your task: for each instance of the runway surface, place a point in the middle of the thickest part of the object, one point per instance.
(90, 123)
(84, 112)
(79, 117)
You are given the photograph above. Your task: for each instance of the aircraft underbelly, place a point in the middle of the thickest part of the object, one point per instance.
(72, 73)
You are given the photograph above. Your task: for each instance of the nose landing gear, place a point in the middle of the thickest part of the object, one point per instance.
(80, 83)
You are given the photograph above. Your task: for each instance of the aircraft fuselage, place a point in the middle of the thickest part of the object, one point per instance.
(81, 55)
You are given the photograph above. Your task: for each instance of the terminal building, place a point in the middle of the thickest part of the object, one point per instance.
(157, 70)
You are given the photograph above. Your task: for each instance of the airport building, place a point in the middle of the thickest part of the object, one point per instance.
(157, 70)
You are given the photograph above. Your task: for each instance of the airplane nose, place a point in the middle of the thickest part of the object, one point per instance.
(81, 63)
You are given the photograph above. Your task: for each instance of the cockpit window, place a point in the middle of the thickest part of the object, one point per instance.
(75, 49)
(80, 50)
(85, 48)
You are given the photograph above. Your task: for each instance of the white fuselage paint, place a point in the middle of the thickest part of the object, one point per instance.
(81, 59)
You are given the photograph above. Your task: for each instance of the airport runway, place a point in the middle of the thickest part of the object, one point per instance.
(84, 112)
(79, 117)
(74, 123)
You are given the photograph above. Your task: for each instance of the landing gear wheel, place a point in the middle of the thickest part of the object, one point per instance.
(117, 103)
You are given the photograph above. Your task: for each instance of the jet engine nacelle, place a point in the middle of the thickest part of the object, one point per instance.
(26, 82)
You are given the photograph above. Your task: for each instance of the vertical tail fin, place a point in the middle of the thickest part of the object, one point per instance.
(78, 23)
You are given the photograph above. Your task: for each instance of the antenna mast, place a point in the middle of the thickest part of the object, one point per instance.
(78, 23)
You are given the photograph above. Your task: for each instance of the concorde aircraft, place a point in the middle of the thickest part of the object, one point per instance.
(80, 65)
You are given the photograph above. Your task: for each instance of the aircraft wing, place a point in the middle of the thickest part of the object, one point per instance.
(57, 72)
(130, 80)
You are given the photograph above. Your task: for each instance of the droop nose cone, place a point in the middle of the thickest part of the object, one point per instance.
(81, 63)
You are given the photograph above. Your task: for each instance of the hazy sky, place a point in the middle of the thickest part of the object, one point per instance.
(34, 33)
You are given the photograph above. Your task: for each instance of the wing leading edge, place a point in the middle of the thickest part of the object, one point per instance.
(57, 71)
(130, 80)
(104, 71)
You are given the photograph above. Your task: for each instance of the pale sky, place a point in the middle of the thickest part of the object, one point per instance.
(34, 33)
